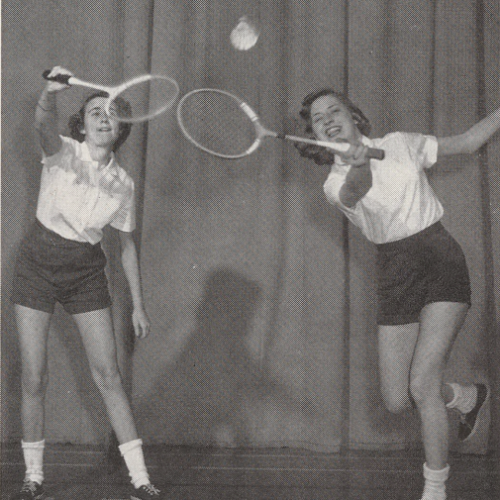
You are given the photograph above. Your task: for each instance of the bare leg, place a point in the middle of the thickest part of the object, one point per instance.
(33, 328)
(439, 325)
(96, 329)
(396, 349)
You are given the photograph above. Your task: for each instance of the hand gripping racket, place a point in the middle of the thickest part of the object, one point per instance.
(221, 124)
(148, 95)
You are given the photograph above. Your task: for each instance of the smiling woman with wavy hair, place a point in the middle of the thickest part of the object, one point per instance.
(83, 190)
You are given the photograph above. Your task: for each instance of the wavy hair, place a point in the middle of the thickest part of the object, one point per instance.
(320, 155)
(77, 121)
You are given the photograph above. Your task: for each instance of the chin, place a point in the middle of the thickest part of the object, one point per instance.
(106, 140)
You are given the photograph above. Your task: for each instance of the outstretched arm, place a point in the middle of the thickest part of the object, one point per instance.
(46, 121)
(130, 264)
(358, 182)
(473, 139)
(359, 179)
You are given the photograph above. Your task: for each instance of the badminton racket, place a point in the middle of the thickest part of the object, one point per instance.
(148, 95)
(223, 125)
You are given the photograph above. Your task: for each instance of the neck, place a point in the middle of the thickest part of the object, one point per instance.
(100, 154)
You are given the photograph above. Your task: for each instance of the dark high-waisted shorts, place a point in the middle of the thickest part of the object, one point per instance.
(52, 269)
(426, 267)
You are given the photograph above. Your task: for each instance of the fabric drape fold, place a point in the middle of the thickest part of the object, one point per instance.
(261, 297)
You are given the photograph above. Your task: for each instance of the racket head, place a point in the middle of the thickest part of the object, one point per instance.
(218, 123)
(142, 98)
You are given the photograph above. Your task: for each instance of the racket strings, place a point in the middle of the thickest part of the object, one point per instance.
(216, 123)
(144, 100)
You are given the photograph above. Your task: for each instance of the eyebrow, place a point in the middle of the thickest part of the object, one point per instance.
(329, 107)
(95, 108)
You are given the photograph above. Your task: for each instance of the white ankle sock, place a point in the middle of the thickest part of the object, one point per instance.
(435, 483)
(33, 458)
(134, 458)
(464, 399)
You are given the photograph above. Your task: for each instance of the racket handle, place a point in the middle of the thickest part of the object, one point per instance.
(337, 147)
(58, 78)
(376, 154)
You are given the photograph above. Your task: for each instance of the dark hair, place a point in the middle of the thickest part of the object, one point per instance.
(323, 156)
(76, 121)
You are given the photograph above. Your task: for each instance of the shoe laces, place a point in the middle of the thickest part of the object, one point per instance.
(151, 489)
(29, 486)
(463, 419)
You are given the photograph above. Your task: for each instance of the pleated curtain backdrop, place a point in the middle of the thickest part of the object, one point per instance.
(261, 296)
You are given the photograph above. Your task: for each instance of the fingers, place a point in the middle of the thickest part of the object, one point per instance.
(59, 70)
(357, 155)
(54, 86)
(141, 331)
(359, 151)
(141, 328)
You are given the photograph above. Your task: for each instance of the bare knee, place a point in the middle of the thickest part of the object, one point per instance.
(397, 401)
(425, 389)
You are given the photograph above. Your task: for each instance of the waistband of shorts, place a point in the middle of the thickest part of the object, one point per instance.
(435, 228)
(57, 239)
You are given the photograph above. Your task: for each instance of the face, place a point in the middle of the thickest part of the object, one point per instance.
(332, 120)
(99, 128)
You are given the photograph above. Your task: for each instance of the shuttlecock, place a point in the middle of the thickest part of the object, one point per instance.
(245, 35)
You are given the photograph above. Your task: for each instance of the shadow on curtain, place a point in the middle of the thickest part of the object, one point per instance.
(413, 67)
(261, 297)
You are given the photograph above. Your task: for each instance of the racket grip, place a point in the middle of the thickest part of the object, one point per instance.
(58, 78)
(376, 154)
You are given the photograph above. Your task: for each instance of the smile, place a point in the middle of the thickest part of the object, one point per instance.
(332, 131)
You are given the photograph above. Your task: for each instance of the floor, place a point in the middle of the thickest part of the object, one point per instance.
(246, 474)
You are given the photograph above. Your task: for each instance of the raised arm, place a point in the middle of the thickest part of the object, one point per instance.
(473, 139)
(46, 120)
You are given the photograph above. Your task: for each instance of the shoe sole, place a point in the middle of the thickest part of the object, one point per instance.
(482, 418)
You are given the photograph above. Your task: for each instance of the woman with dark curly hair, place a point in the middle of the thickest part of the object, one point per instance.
(424, 289)
(82, 190)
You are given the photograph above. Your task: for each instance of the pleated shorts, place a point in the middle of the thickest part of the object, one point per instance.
(51, 269)
(426, 267)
